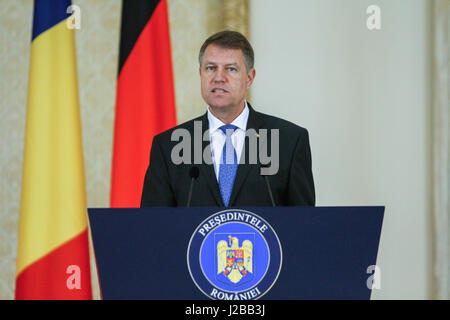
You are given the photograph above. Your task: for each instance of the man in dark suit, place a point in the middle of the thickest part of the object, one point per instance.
(207, 172)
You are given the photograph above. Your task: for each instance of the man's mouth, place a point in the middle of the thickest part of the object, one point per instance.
(219, 90)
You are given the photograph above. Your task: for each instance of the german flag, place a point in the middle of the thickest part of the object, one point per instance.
(145, 100)
(53, 249)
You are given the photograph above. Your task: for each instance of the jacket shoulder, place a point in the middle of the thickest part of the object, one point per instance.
(285, 126)
(188, 125)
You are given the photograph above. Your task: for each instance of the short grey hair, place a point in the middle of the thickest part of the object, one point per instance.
(230, 40)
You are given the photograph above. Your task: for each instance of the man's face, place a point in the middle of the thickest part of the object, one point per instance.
(224, 78)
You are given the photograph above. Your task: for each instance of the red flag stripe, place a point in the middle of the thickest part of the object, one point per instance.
(66, 266)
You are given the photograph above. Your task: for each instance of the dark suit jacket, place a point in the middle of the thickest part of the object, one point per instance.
(167, 184)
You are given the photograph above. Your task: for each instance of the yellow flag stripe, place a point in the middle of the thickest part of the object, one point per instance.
(53, 203)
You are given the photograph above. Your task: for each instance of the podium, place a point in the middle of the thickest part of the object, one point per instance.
(281, 253)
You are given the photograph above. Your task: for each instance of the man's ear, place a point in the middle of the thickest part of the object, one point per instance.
(250, 77)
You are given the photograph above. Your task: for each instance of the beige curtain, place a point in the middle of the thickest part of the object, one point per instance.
(441, 148)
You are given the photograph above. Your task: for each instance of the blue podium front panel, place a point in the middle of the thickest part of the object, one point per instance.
(242, 253)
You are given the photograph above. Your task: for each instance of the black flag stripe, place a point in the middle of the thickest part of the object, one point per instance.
(135, 15)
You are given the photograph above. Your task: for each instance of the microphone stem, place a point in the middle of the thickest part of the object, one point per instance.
(270, 191)
(190, 192)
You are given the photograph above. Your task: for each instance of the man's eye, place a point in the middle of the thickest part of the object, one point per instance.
(210, 68)
(232, 69)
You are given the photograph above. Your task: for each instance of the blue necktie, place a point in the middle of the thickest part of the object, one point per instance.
(228, 166)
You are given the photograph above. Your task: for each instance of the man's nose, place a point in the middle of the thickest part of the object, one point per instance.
(219, 75)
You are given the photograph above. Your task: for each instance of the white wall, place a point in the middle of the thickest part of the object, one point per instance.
(364, 96)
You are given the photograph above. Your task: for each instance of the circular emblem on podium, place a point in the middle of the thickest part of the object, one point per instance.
(234, 255)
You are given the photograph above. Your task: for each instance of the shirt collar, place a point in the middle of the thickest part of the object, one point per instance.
(240, 121)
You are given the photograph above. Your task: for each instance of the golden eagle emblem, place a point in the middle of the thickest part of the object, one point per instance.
(233, 261)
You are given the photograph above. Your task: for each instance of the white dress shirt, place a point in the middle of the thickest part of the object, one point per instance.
(217, 137)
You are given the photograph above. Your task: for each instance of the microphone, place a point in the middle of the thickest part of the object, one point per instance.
(194, 172)
(267, 183)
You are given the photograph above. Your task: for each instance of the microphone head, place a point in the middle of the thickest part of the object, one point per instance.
(261, 167)
(194, 172)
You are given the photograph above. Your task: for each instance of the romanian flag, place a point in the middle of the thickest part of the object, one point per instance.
(145, 100)
(53, 249)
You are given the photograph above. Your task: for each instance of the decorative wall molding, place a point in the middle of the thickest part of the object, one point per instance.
(441, 148)
(236, 16)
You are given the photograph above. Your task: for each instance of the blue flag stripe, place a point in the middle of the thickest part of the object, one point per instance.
(48, 13)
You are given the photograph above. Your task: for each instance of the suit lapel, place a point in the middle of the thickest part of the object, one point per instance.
(254, 122)
(207, 170)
